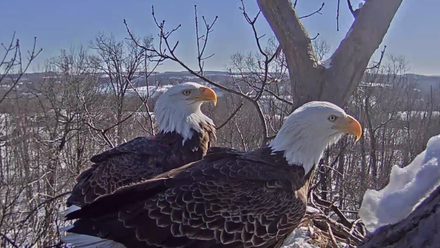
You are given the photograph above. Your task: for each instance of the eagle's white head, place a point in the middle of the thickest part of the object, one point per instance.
(310, 129)
(178, 109)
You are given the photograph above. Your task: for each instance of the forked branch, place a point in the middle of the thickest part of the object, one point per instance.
(15, 61)
(202, 40)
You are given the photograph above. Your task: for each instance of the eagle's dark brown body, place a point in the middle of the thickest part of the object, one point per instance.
(228, 199)
(136, 160)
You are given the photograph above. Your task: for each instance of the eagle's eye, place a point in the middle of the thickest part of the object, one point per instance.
(332, 118)
(186, 92)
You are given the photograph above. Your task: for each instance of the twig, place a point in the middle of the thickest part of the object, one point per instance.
(144, 102)
(337, 16)
(339, 229)
(313, 13)
(13, 62)
(316, 37)
(230, 117)
(270, 92)
(344, 222)
(43, 203)
(328, 170)
(278, 97)
(350, 7)
(252, 23)
(277, 51)
(9, 240)
(243, 143)
(147, 75)
(384, 123)
(377, 65)
(332, 237)
(333, 169)
(201, 51)
(353, 226)
(103, 133)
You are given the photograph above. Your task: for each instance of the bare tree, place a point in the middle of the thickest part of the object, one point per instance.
(13, 66)
(121, 62)
(321, 48)
(337, 80)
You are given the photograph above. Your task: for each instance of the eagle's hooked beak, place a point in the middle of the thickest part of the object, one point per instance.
(349, 125)
(206, 94)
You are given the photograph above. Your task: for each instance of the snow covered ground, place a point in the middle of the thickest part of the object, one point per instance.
(407, 188)
(298, 239)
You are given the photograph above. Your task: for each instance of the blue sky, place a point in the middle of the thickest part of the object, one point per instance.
(414, 32)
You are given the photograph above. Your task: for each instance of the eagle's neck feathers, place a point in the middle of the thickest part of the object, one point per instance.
(182, 119)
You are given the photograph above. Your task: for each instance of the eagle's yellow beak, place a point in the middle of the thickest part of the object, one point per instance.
(349, 125)
(206, 94)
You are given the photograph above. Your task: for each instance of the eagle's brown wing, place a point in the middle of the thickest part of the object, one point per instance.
(230, 201)
(139, 145)
(130, 162)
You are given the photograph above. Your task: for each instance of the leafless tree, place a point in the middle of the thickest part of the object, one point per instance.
(321, 48)
(336, 81)
(12, 64)
(121, 62)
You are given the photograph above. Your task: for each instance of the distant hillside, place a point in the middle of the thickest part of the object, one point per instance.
(425, 82)
(171, 77)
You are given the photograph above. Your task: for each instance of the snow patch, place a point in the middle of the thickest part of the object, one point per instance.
(312, 210)
(407, 188)
(298, 239)
(327, 63)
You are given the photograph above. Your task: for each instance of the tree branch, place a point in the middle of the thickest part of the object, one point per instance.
(377, 65)
(296, 44)
(350, 7)
(351, 58)
(337, 16)
(201, 49)
(230, 117)
(16, 60)
(313, 13)
(336, 83)
(9, 240)
(44, 203)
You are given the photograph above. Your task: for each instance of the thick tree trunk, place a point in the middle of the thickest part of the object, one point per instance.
(420, 229)
(337, 80)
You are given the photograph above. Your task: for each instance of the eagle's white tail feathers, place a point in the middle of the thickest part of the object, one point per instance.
(62, 214)
(86, 241)
(81, 240)
(64, 229)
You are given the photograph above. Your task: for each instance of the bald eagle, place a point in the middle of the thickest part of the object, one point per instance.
(227, 199)
(185, 136)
